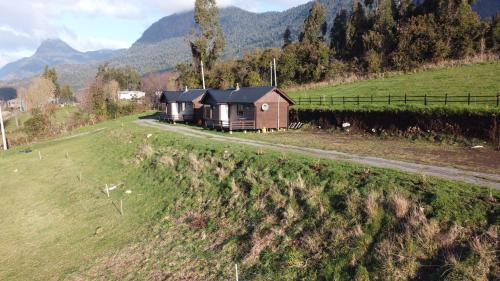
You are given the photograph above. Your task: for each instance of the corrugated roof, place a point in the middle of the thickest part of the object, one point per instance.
(181, 96)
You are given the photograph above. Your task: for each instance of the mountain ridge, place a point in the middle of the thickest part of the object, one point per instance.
(164, 44)
(52, 52)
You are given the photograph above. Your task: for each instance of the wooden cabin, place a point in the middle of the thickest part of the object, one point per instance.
(254, 108)
(183, 105)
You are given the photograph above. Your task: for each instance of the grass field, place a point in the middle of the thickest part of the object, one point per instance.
(423, 151)
(475, 79)
(196, 208)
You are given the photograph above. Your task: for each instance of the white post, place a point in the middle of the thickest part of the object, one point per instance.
(203, 75)
(4, 138)
(107, 190)
(279, 99)
(275, 74)
(236, 268)
(271, 64)
(121, 207)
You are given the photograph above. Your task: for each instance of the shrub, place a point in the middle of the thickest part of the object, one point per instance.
(38, 125)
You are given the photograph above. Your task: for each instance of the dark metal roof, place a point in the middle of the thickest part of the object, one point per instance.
(243, 95)
(181, 96)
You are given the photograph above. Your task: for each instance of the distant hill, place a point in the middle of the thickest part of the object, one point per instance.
(164, 44)
(487, 8)
(7, 93)
(51, 52)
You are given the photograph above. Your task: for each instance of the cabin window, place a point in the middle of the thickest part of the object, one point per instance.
(182, 106)
(240, 110)
(207, 112)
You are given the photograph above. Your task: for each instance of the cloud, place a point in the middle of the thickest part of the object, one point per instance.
(25, 23)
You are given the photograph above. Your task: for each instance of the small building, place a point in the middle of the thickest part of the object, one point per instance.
(183, 105)
(254, 108)
(131, 95)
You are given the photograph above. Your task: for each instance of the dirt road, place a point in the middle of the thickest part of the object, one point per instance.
(482, 179)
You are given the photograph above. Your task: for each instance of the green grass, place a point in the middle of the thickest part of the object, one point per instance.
(61, 115)
(197, 207)
(476, 79)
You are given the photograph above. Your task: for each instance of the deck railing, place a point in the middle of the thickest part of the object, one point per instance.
(230, 125)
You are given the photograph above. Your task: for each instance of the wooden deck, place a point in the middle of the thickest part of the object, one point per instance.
(231, 125)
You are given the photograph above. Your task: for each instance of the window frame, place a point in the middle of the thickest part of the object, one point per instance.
(240, 110)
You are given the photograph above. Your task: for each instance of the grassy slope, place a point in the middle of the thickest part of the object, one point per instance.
(196, 208)
(477, 79)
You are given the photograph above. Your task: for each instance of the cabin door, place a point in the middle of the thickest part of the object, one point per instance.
(174, 110)
(224, 114)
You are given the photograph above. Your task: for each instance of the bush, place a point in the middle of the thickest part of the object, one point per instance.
(38, 125)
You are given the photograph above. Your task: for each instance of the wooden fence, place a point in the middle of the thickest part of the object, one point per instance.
(426, 100)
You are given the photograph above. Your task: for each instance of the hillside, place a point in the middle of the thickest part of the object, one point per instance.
(164, 44)
(193, 208)
(52, 52)
(475, 79)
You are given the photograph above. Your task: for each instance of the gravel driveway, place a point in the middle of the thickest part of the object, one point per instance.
(482, 179)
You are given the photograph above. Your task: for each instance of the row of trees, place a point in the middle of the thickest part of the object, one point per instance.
(374, 36)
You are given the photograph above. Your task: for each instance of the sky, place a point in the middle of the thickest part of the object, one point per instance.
(88, 25)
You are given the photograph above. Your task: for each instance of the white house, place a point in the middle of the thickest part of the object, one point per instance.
(131, 95)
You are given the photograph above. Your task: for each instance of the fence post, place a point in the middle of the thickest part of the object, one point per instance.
(389, 99)
(445, 99)
(468, 99)
(310, 100)
(425, 99)
(405, 98)
(358, 100)
(343, 100)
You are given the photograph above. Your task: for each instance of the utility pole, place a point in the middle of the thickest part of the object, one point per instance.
(271, 65)
(4, 138)
(203, 75)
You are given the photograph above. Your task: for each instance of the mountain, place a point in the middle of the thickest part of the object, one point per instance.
(52, 52)
(164, 44)
(486, 8)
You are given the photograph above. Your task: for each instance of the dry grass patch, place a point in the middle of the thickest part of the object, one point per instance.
(399, 204)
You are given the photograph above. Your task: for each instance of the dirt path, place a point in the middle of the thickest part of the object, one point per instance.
(483, 179)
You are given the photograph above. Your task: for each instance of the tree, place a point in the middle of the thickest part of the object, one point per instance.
(420, 40)
(208, 37)
(287, 37)
(40, 93)
(127, 77)
(188, 76)
(357, 25)
(222, 76)
(51, 74)
(493, 34)
(338, 35)
(314, 28)
(66, 94)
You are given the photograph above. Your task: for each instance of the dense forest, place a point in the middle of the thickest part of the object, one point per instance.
(371, 37)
